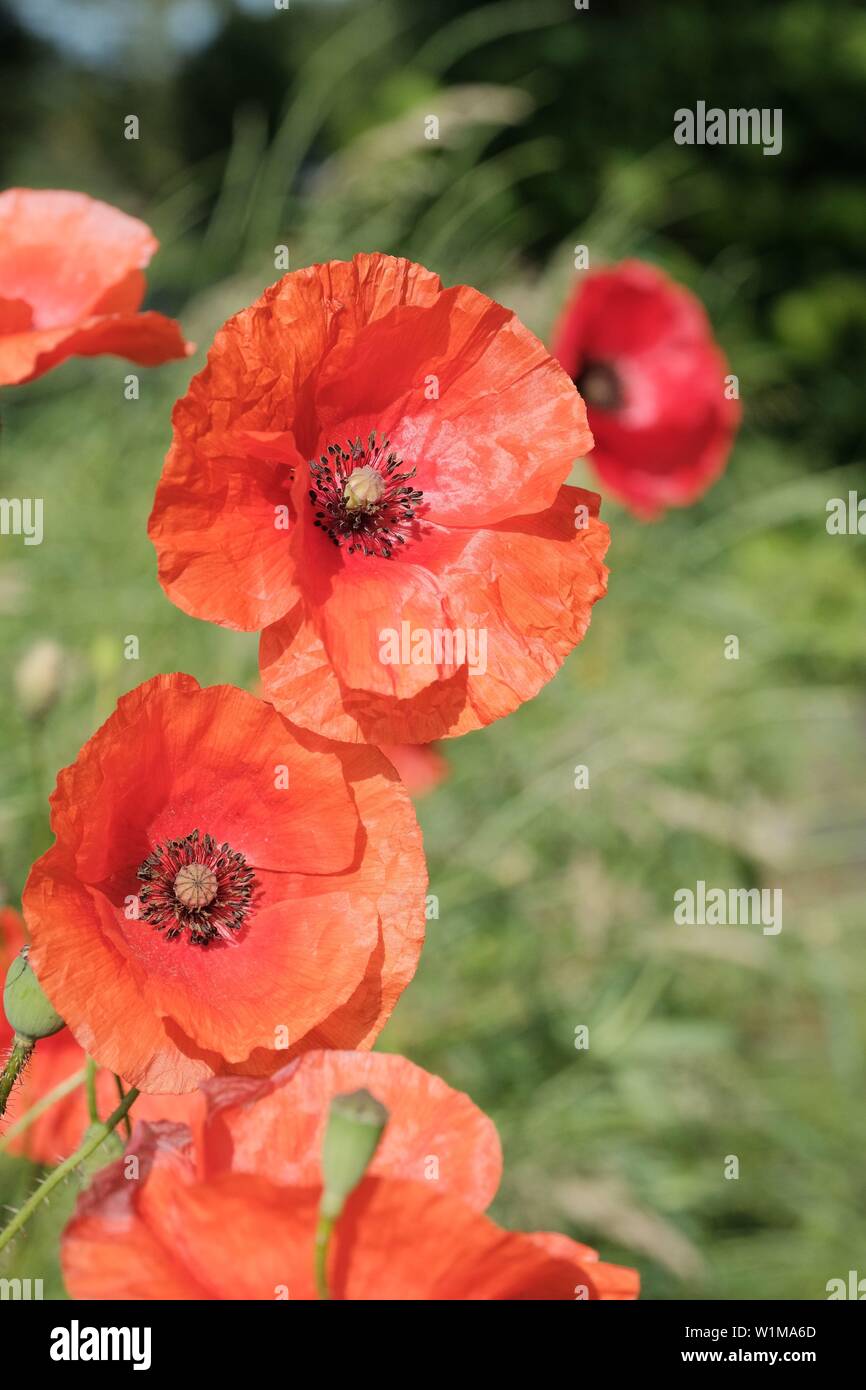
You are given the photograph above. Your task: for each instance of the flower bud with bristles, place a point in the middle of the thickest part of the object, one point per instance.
(30, 1014)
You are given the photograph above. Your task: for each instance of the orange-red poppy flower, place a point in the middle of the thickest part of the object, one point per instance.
(420, 765)
(642, 353)
(71, 284)
(227, 1210)
(59, 1129)
(224, 890)
(371, 468)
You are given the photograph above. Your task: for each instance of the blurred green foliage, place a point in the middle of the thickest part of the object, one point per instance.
(306, 129)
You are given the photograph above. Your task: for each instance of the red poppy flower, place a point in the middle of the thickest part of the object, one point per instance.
(641, 352)
(421, 766)
(58, 1131)
(370, 468)
(224, 891)
(229, 1212)
(71, 284)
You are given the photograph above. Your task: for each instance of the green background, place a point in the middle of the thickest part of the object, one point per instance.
(305, 128)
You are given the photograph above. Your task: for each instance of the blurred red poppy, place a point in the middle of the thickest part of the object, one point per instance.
(71, 284)
(420, 765)
(370, 468)
(641, 352)
(229, 1211)
(224, 890)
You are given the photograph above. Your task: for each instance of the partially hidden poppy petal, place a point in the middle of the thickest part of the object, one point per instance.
(71, 283)
(434, 1134)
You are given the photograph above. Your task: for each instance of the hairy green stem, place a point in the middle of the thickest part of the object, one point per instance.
(15, 1064)
(99, 1133)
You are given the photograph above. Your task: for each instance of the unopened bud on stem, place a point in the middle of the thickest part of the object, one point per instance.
(29, 1012)
(355, 1125)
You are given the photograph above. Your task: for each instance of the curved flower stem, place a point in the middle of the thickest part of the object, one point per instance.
(324, 1230)
(59, 1093)
(98, 1134)
(121, 1093)
(92, 1105)
(17, 1061)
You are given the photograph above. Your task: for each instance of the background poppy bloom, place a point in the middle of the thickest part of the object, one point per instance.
(279, 884)
(369, 459)
(641, 351)
(59, 1130)
(71, 283)
(229, 1211)
(420, 765)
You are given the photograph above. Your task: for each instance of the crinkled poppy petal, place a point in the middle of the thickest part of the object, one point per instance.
(433, 1134)
(174, 757)
(393, 875)
(296, 961)
(148, 339)
(465, 393)
(218, 528)
(64, 253)
(221, 555)
(297, 676)
(543, 576)
(363, 616)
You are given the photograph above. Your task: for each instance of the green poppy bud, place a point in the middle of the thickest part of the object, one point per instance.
(28, 1010)
(355, 1125)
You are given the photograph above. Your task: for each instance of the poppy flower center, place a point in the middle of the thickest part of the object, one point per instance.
(197, 886)
(600, 386)
(360, 496)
